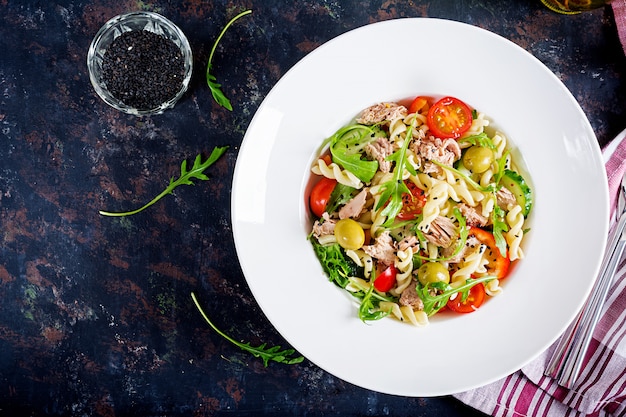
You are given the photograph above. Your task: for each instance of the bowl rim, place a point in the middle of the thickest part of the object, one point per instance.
(114, 23)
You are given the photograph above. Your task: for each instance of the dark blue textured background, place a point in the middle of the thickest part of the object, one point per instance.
(96, 317)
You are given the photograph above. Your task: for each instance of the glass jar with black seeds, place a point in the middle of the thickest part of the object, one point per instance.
(143, 69)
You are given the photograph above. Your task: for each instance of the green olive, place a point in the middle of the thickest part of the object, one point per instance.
(432, 272)
(478, 159)
(349, 234)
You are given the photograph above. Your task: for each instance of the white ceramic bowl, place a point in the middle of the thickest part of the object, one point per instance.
(395, 60)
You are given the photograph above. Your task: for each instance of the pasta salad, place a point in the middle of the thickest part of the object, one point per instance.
(418, 208)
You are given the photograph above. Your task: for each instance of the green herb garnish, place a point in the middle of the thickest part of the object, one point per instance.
(368, 310)
(499, 227)
(341, 195)
(369, 307)
(346, 146)
(393, 189)
(435, 302)
(214, 86)
(336, 265)
(273, 353)
(479, 140)
(487, 189)
(196, 172)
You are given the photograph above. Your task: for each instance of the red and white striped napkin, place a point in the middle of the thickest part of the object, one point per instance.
(600, 390)
(619, 11)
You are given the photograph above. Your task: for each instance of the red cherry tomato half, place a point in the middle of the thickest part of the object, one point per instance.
(449, 118)
(412, 203)
(320, 194)
(498, 265)
(474, 300)
(419, 103)
(386, 280)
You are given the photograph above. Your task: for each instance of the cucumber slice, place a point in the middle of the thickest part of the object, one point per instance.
(516, 184)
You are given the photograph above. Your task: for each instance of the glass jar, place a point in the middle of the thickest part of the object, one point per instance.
(137, 21)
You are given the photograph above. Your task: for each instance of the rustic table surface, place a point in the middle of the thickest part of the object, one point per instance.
(96, 317)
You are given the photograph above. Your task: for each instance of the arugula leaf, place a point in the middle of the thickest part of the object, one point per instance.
(214, 86)
(196, 172)
(340, 195)
(273, 353)
(337, 266)
(499, 227)
(435, 302)
(393, 189)
(480, 139)
(370, 300)
(346, 145)
(488, 189)
(501, 165)
(368, 310)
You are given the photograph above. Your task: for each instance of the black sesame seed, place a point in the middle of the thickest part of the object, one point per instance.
(143, 69)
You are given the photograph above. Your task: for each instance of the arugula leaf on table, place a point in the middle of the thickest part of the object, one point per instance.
(272, 353)
(196, 172)
(214, 86)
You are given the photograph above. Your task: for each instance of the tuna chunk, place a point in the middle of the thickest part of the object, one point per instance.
(324, 227)
(472, 216)
(381, 112)
(504, 197)
(470, 244)
(382, 249)
(408, 242)
(444, 151)
(379, 150)
(410, 298)
(355, 206)
(441, 232)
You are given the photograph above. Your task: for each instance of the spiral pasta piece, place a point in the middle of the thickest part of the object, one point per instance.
(473, 263)
(437, 197)
(327, 239)
(500, 142)
(378, 220)
(334, 171)
(404, 266)
(478, 125)
(515, 220)
(405, 313)
(487, 205)
(356, 284)
(493, 288)
(396, 128)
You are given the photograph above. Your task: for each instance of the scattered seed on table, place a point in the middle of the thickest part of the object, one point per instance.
(143, 69)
